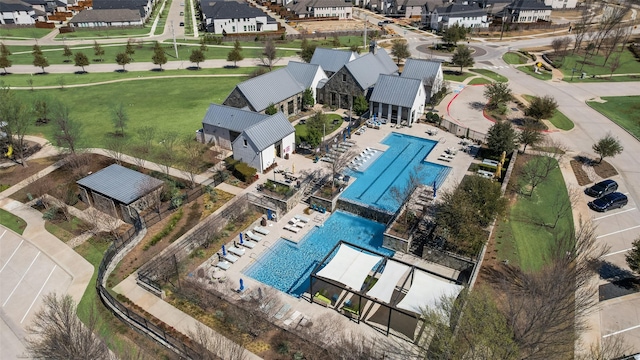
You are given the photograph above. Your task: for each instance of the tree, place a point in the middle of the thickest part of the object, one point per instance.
(203, 44)
(81, 60)
(400, 50)
(58, 333)
(40, 61)
(462, 57)
(197, 56)
(42, 109)
(98, 50)
(67, 53)
(5, 62)
(307, 98)
(68, 130)
(315, 128)
(36, 50)
(355, 48)
(307, 50)
(608, 146)
(123, 59)
(269, 54)
(4, 50)
(614, 64)
(115, 148)
(192, 151)
(235, 56)
(159, 57)
(536, 171)
(16, 115)
(529, 135)
(400, 194)
(541, 107)
(453, 34)
(633, 256)
(360, 105)
(129, 48)
(497, 93)
(502, 137)
(119, 118)
(146, 134)
(339, 163)
(237, 45)
(167, 155)
(271, 109)
(560, 45)
(584, 23)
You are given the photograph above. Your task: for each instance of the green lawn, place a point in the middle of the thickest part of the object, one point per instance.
(173, 104)
(21, 80)
(188, 25)
(515, 58)
(65, 231)
(24, 32)
(519, 239)
(163, 17)
(112, 32)
(12, 222)
(301, 129)
(453, 75)
(622, 110)
(480, 81)
(594, 65)
(345, 41)
(559, 120)
(490, 74)
(544, 75)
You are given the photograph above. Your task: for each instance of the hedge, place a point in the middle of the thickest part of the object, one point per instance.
(244, 172)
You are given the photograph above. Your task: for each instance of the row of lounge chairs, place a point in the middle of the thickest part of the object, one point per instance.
(233, 253)
(295, 225)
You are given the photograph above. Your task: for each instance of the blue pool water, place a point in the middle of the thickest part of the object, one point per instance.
(392, 168)
(287, 266)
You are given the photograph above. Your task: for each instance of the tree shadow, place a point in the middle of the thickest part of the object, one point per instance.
(157, 70)
(584, 160)
(193, 68)
(41, 73)
(477, 105)
(5, 73)
(230, 66)
(120, 71)
(81, 72)
(612, 272)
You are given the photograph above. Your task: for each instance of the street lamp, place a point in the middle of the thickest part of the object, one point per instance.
(573, 71)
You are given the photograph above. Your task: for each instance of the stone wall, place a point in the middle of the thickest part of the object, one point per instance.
(395, 243)
(340, 90)
(237, 100)
(365, 211)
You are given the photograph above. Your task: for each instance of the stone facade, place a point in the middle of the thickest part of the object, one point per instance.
(340, 90)
(289, 106)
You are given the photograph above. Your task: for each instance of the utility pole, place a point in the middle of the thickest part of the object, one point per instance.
(364, 38)
(175, 46)
(502, 28)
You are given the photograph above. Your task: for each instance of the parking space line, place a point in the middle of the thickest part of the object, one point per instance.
(10, 257)
(621, 331)
(4, 232)
(618, 213)
(22, 278)
(617, 252)
(617, 232)
(38, 294)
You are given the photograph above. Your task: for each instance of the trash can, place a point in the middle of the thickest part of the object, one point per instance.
(263, 222)
(584, 75)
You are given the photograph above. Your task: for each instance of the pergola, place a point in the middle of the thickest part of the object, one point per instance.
(398, 287)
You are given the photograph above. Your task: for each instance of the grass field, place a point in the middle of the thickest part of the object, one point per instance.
(622, 110)
(345, 41)
(12, 222)
(544, 75)
(188, 25)
(559, 120)
(490, 74)
(453, 75)
(515, 58)
(519, 239)
(302, 132)
(113, 32)
(594, 65)
(65, 230)
(174, 104)
(480, 81)
(26, 33)
(21, 80)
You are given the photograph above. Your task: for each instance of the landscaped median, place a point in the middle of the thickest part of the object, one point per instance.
(559, 120)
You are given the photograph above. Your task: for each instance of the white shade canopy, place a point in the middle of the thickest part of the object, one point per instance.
(383, 289)
(426, 292)
(349, 267)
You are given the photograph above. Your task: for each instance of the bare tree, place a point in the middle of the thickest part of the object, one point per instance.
(338, 163)
(147, 134)
(16, 115)
(166, 156)
(58, 333)
(269, 55)
(119, 118)
(400, 194)
(608, 348)
(211, 345)
(584, 24)
(614, 40)
(115, 148)
(192, 157)
(610, 20)
(68, 130)
(614, 64)
(536, 171)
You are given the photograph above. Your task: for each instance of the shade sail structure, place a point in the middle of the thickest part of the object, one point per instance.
(349, 267)
(426, 292)
(383, 289)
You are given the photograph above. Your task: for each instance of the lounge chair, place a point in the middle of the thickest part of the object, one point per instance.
(224, 265)
(261, 230)
(444, 158)
(299, 224)
(236, 250)
(304, 219)
(230, 258)
(293, 221)
(490, 162)
(319, 298)
(292, 318)
(448, 156)
(283, 310)
(248, 244)
(292, 228)
(253, 236)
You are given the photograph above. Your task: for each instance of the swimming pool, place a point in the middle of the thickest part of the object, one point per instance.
(287, 266)
(406, 153)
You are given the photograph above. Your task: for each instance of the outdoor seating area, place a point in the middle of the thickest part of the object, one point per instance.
(364, 159)
(432, 131)
(485, 174)
(489, 162)
(448, 155)
(261, 230)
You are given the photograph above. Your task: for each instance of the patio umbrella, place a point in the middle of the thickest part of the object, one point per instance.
(344, 137)
(241, 285)
(502, 157)
(241, 241)
(434, 189)
(224, 251)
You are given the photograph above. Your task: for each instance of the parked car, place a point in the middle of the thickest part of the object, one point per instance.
(609, 202)
(181, 24)
(602, 188)
(181, 13)
(384, 22)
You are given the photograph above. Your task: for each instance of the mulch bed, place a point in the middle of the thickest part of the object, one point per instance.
(602, 169)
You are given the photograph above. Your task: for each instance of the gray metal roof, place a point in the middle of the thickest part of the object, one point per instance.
(269, 131)
(106, 15)
(304, 73)
(231, 118)
(529, 5)
(396, 90)
(332, 59)
(459, 10)
(366, 68)
(119, 183)
(421, 69)
(270, 88)
(229, 10)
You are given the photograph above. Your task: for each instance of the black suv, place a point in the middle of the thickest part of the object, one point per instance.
(608, 202)
(602, 188)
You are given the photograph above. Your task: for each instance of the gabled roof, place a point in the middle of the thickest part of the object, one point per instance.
(458, 10)
(106, 15)
(304, 73)
(121, 4)
(366, 68)
(231, 118)
(121, 184)
(270, 88)
(269, 131)
(329, 3)
(14, 5)
(229, 10)
(529, 5)
(420, 69)
(332, 59)
(396, 90)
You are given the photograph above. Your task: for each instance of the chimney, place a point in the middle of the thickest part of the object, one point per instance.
(373, 46)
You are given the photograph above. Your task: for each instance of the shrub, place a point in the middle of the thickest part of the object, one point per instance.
(166, 230)
(244, 172)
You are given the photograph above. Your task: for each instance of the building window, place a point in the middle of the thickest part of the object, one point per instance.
(245, 28)
(344, 77)
(244, 142)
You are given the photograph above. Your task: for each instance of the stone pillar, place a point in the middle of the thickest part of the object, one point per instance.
(379, 110)
(370, 108)
(390, 107)
(399, 114)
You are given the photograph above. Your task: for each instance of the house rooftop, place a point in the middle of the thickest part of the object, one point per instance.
(458, 10)
(120, 183)
(331, 59)
(396, 90)
(366, 68)
(231, 118)
(229, 10)
(304, 73)
(269, 131)
(99, 15)
(270, 88)
(529, 5)
(420, 69)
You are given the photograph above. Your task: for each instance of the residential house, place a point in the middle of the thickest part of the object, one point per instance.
(527, 11)
(494, 7)
(16, 12)
(418, 9)
(400, 100)
(341, 9)
(231, 17)
(469, 16)
(283, 88)
(256, 139)
(561, 4)
(429, 71)
(120, 192)
(332, 60)
(144, 7)
(356, 78)
(44, 8)
(106, 17)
